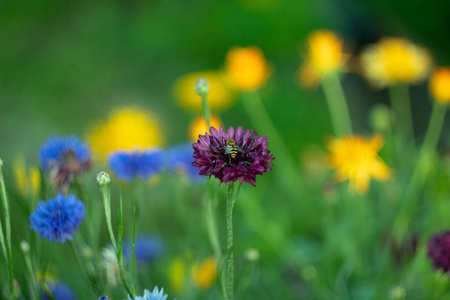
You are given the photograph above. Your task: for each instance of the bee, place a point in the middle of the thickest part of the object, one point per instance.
(231, 149)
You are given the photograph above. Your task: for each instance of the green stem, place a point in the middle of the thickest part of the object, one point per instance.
(119, 254)
(337, 104)
(401, 104)
(106, 193)
(133, 262)
(422, 167)
(8, 231)
(82, 268)
(231, 198)
(206, 111)
(31, 278)
(211, 222)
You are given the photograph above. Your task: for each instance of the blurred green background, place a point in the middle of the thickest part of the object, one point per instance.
(65, 65)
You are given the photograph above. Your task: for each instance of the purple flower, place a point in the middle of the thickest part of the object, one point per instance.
(439, 250)
(63, 158)
(58, 218)
(233, 155)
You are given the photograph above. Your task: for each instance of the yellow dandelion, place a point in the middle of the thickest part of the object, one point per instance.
(395, 60)
(126, 128)
(177, 271)
(220, 96)
(246, 68)
(205, 275)
(198, 126)
(356, 159)
(440, 84)
(28, 182)
(324, 56)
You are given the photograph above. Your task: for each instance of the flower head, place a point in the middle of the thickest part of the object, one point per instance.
(60, 291)
(439, 251)
(247, 68)
(63, 158)
(232, 155)
(155, 295)
(395, 60)
(198, 126)
(128, 165)
(324, 56)
(179, 161)
(205, 274)
(58, 218)
(148, 248)
(440, 84)
(356, 159)
(126, 128)
(220, 96)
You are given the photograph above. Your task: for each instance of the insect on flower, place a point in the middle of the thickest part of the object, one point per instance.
(231, 149)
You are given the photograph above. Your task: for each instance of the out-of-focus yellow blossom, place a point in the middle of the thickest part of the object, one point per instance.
(126, 128)
(324, 56)
(177, 273)
(356, 159)
(220, 96)
(440, 84)
(198, 126)
(205, 275)
(28, 182)
(246, 68)
(395, 60)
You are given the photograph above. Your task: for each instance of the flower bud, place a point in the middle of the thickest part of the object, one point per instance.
(202, 87)
(252, 254)
(24, 246)
(103, 179)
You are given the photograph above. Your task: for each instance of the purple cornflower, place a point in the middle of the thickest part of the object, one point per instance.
(63, 158)
(439, 250)
(144, 164)
(58, 218)
(61, 291)
(233, 155)
(148, 248)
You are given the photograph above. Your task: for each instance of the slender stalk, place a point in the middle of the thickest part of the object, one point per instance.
(337, 104)
(401, 103)
(82, 268)
(119, 254)
(106, 193)
(206, 111)
(211, 222)
(5, 203)
(422, 167)
(133, 261)
(30, 275)
(231, 198)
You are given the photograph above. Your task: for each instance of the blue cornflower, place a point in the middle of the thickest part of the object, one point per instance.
(155, 295)
(61, 291)
(179, 160)
(148, 248)
(58, 218)
(63, 158)
(139, 163)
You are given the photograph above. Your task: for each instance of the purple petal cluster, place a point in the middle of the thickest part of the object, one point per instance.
(252, 159)
(439, 250)
(63, 158)
(127, 165)
(58, 218)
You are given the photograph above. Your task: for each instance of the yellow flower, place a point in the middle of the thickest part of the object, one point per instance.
(176, 274)
(126, 128)
(440, 84)
(28, 182)
(395, 60)
(198, 126)
(220, 96)
(205, 275)
(356, 159)
(324, 56)
(246, 68)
